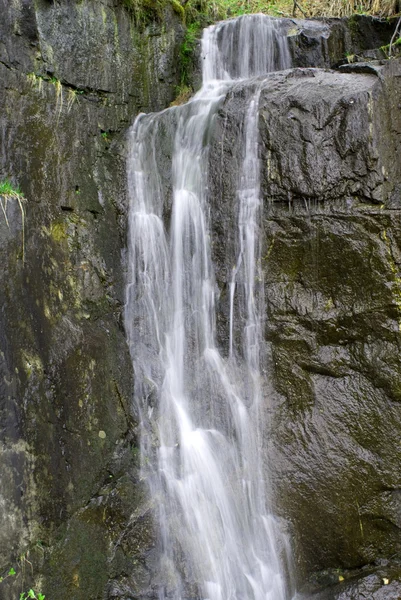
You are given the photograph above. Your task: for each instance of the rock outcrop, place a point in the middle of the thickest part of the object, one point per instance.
(331, 190)
(73, 75)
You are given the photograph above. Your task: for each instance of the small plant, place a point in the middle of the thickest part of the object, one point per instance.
(31, 594)
(36, 80)
(9, 192)
(11, 573)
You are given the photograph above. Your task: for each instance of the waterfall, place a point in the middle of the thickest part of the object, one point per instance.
(200, 405)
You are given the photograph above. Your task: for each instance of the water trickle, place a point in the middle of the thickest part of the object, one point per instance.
(201, 417)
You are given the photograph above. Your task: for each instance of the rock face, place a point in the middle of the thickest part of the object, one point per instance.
(74, 517)
(331, 191)
(73, 77)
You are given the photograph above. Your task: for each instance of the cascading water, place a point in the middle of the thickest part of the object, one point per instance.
(201, 418)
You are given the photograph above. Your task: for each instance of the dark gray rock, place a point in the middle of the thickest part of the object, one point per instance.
(322, 133)
(331, 42)
(380, 583)
(329, 149)
(73, 514)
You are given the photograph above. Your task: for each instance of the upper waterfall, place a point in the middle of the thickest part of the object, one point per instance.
(245, 47)
(201, 406)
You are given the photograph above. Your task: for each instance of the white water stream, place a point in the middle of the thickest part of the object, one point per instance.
(200, 409)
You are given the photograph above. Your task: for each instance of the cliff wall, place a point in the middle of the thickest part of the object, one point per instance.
(73, 75)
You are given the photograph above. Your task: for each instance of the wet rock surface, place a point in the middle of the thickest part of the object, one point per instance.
(330, 175)
(73, 514)
(381, 583)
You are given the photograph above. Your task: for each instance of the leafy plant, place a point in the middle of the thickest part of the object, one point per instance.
(9, 574)
(209, 11)
(31, 594)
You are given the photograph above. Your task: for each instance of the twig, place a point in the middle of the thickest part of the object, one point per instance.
(396, 32)
(23, 228)
(19, 198)
(296, 5)
(4, 209)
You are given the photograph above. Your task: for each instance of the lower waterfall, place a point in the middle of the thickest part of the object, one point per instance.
(199, 404)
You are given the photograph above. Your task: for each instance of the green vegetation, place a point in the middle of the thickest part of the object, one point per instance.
(205, 12)
(145, 11)
(30, 594)
(209, 11)
(9, 192)
(11, 573)
(178, 9)
(389, 49)
(36, 80)
(184, 92)
(187, 55)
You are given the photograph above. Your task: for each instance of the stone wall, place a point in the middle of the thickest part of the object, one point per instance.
(73, 77)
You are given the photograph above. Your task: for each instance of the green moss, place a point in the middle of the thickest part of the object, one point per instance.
(178, 9)
(146, 11)
(32, 364)
(388, 48)
(187, 52)
(58, 232)
(353, 23)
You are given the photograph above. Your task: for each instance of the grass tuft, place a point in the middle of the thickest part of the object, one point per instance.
(7, 190)
(10, 192)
